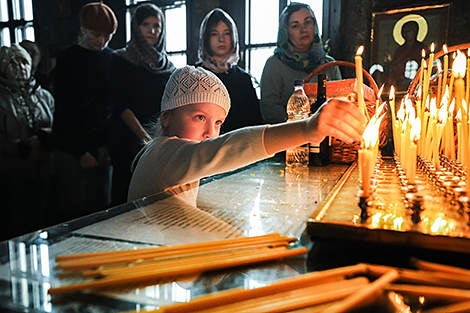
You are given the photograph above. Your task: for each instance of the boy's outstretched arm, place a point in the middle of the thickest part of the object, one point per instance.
(335, 118)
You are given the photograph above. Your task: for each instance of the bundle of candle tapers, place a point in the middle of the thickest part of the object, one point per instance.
(151, 265)
(440, 287)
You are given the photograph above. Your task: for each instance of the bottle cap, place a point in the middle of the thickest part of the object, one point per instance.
(298, 82)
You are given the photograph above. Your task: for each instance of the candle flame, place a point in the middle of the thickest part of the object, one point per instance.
(444, 47)
(360, 50)
(439, 67)
(464, 105)
(370, 136)
(423, 53)
(415, 132)
(458, 117)
(379, 110)
(379, 95)
(451, 108)
(459, 66)
(432, 47)
(445, 96)
(401, 114)
(442, 114)
(392, 93)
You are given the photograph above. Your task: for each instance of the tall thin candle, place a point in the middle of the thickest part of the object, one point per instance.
(360, 82)
(445, 70)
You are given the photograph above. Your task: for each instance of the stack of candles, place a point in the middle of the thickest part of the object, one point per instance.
(344, 289)
(147, 266)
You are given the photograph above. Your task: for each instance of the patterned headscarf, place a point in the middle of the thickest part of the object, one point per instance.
(309, 60)
(139, 52)
(205, 55)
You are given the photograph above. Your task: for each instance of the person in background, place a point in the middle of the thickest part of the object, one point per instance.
(299, 51)
(26, 169)
(139, 73)
(35, 53)
(218, 52)
(83, 110)
(187, 145)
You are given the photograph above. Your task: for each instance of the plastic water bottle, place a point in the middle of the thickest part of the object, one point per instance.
(320, 153)
(298, 107)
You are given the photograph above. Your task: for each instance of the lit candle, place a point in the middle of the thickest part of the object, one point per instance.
(437, 137)
(467, 91)
(391, 102)
(446, 68)
(451, 85)
(366, 159)
(428, 78)
(459, 136)
(458, 70)
(421, 74)
(360, 92)
(439, 83)
(414, 136)
(450, 129)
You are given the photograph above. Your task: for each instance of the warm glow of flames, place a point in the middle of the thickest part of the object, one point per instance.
(423, 53)
(392, 93)
(439, 67)
(459, 65)
(415, 132)
(360, 50)
(432, 47)
(444, 47)
(464, 105)
(370, 136)
(458, 117)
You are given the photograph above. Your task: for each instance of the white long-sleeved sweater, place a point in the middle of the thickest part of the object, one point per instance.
(176, 165)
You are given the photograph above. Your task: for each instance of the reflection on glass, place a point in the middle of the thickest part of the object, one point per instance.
(30, 272)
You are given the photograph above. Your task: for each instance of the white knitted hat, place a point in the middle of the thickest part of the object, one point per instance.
(189, 84)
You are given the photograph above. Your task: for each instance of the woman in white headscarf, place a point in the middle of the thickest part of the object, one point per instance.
(218, 52)
(139, 73)
(26, 115)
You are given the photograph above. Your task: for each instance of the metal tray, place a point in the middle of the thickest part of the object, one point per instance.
(390, 221)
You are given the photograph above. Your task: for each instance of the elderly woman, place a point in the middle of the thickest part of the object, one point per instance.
(26, 114)
(218, 52)
(139, 73)
(299, 51)
(83, 110)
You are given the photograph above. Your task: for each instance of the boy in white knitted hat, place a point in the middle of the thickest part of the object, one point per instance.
(187, 146)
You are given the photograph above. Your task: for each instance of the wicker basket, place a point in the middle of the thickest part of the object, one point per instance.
(340, 151)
